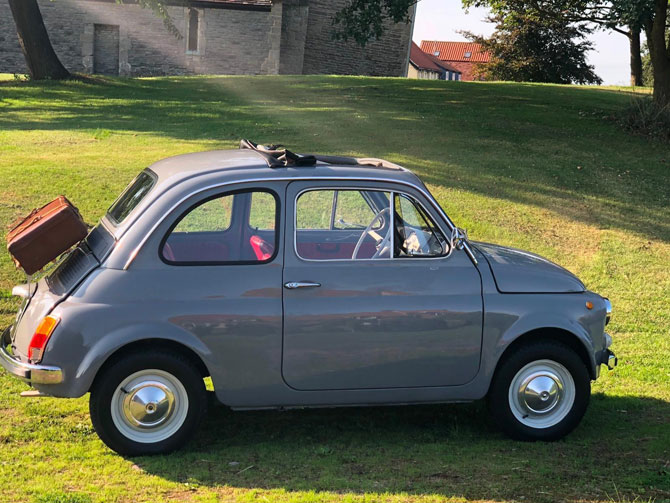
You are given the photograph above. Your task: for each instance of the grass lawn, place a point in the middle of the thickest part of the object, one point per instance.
(534, 166)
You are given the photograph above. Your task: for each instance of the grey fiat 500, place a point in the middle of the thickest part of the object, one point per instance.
(300, 282)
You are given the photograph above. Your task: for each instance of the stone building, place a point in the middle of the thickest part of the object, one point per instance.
(216, 37)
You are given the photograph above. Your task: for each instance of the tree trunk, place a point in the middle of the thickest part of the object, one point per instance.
(635, 59)
(42, 61)
(659, 52)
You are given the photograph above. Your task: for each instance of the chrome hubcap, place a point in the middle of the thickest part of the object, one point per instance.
(542, 394)
(149, 406)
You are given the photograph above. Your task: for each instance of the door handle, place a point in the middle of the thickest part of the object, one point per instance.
(292, 285)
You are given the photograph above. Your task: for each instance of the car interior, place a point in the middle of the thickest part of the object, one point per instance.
(341, 224)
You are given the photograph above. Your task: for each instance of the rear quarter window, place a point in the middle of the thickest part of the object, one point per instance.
(131, 196)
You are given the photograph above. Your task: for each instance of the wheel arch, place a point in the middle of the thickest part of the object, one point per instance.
(153, 344)
(138, 337)
(555, 334)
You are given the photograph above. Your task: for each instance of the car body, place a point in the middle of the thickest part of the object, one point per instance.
(267, 278)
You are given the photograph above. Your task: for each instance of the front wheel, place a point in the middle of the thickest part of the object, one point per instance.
(147, 403)
(540, 392)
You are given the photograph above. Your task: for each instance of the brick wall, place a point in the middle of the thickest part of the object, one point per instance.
(467, 69)
(385, 57)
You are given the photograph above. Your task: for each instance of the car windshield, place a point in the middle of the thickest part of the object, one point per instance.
(131, 197)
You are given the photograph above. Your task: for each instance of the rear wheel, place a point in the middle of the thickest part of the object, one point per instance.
(540, 392)
(147, 403)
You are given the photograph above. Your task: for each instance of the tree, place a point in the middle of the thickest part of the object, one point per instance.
(647, 69)
(41, 59)
(650, 16)
(655, 27)
(363, 20)
(531, 48)
(34, 40)
(622, 16)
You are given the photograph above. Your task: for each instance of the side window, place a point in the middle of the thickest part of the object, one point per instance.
(315, 209)
(343, 224)
(262, 213)
(231, 228)
(352, 210)
(214, 215)
(416, 235)
(336, 209)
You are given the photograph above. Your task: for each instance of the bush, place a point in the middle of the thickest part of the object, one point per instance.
(645, 117)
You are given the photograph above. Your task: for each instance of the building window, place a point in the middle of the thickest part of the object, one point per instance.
(468, 54)
(193, 30)
(436, 53)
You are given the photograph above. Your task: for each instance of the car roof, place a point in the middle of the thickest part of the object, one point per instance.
(251, 165)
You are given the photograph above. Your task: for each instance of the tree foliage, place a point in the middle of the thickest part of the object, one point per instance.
(625, 16)
(365, 20)
(533, 48)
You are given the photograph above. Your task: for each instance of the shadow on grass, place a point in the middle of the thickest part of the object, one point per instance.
(446, 450)
(553, 147)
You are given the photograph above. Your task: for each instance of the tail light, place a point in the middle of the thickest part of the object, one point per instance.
(40, 338)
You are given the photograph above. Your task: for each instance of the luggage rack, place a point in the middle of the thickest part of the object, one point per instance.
(279, 157)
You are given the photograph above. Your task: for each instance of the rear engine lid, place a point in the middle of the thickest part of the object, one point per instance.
(48, 292)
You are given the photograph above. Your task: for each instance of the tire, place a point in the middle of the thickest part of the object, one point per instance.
(540, 392)
(147, 403)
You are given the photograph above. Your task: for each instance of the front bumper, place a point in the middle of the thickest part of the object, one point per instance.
(36, 374)
(608, 358)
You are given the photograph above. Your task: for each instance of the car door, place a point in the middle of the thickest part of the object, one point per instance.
(386, 318)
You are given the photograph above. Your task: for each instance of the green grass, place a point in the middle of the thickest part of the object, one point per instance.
(535, 166)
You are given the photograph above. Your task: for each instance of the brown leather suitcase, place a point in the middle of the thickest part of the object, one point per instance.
(45, 234)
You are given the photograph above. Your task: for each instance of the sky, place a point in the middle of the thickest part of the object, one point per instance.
(442, 19)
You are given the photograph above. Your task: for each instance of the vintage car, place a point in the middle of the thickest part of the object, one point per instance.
(300, 281)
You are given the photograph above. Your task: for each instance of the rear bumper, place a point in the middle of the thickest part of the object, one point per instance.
(36, 374)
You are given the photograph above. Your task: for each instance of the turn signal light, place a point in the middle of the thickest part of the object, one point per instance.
(40, 338)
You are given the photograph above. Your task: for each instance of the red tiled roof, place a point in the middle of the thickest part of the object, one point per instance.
(421, 60)
(425, 61)
(455, 51)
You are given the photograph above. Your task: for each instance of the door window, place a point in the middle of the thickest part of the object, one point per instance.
(343, 224)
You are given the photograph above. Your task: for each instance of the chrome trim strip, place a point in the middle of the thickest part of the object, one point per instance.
(37, 374)
(424, 192)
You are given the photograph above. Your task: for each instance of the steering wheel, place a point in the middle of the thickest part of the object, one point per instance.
(382, 243)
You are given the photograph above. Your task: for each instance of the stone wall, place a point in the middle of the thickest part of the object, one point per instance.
(11, 57)
(295, 37)
(385, 57)
(230, 41)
